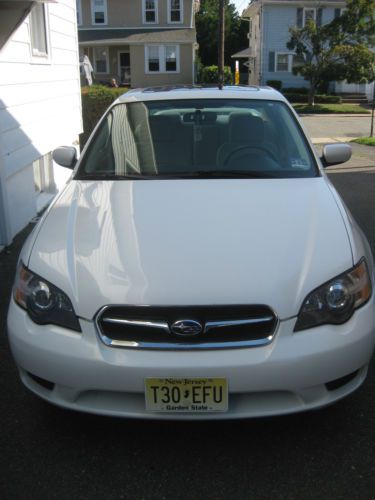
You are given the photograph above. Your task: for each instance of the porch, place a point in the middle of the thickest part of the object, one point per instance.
(110, 62)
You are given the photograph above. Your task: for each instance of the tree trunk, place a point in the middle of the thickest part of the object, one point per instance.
(312, 92)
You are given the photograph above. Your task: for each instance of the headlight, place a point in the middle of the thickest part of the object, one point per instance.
(335, 302)
(44, 302)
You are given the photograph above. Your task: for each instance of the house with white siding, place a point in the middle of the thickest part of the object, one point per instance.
(269, 24)
(40, 104)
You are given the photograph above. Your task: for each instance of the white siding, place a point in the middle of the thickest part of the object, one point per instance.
(40, 109)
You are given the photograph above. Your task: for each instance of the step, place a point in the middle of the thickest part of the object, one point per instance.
(354, 99)
(351, 94)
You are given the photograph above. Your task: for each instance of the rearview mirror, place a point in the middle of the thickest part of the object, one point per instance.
(334, 154)
(66, 156)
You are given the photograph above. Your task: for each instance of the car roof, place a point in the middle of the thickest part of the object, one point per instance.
(201, 92)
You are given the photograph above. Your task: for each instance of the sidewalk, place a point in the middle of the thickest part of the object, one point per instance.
(325, 129)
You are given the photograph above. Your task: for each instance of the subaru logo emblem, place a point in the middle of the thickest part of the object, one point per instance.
(186, 327)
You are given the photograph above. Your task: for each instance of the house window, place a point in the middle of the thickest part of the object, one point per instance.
(99, 11)
(38, 31)
(150, 11)
(79, 12)
(283, 62)
(153, 63)
(101, 59)
(171, 58)
(298, 61)
(175, 14)
(162, 59)
(308, 14)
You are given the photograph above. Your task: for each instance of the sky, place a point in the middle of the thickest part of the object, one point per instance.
(240, 4)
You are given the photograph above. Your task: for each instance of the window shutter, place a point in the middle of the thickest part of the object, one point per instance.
(271, 61)
(337, 13)
(299, 18)
(319, 17)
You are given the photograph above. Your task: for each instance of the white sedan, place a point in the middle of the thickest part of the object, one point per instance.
(198, 265)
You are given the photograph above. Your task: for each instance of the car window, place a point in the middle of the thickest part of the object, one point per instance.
(199, 138)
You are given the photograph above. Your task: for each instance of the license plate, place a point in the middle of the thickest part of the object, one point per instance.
(192, 395)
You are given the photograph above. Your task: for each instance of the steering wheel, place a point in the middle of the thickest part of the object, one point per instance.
(231, 154)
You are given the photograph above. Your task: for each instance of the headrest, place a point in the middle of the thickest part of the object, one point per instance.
(246, 128)
(163, 127)
(200, 118)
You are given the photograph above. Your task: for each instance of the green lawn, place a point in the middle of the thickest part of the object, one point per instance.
(367, 141)
(331, 108)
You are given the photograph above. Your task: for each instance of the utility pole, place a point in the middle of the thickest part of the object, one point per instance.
(373, 112)
(221, 44)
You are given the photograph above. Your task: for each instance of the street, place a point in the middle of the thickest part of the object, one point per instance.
(46, 452)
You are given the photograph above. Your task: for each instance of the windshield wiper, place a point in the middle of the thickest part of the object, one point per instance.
(194, 174)
(227, 174)
(111, 177)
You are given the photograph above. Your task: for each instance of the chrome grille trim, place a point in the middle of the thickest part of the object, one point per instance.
(148, 324)
(186, 346)
(236, 322)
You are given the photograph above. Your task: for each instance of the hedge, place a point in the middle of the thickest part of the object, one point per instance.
(296, 90)
(95, 101)
(319, 98)
(210, 74)
(275, 84)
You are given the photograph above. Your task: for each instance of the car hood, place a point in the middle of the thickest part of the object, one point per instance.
(192, 242)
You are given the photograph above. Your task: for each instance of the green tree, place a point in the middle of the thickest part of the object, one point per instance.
(207, 21)
(338, 50)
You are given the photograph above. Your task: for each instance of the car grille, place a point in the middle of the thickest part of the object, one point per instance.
(149, 327)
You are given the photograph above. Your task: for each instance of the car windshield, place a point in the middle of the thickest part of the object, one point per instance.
(198, 138)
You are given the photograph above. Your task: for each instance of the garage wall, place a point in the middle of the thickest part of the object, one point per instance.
(40, 109)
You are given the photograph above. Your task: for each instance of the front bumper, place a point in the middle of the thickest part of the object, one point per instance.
(289, 375)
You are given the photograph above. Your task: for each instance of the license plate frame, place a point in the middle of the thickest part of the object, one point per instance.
(186, 395)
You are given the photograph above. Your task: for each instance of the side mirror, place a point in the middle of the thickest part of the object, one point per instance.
(66, 156)
(334, 154)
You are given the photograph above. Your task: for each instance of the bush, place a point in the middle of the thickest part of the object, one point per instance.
(296, 90)
(95, 100)
(319, 98)
(210, 74)
(323, 88)
(275, 84)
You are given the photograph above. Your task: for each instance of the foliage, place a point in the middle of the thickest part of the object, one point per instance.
(275, 84)
(330, 109)
(95, 100)
(320, 98)
(236, 30)
(338, 50)
(367, 141)
(296, 90)
(210, 74)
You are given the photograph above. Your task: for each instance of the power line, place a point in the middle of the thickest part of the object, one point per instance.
(242, 5)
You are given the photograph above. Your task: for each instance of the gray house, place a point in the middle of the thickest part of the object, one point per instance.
(269, 23)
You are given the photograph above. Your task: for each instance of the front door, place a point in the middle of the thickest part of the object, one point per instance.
(124, 67)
